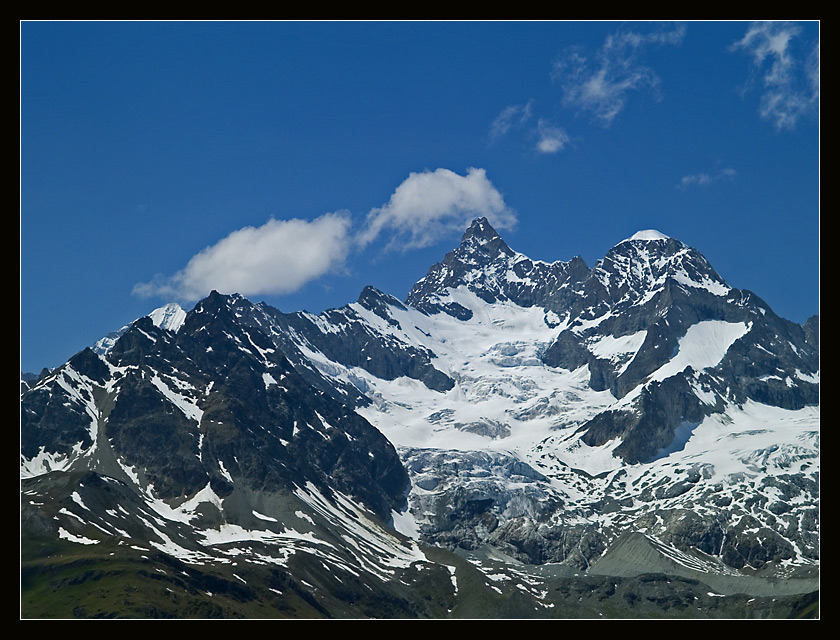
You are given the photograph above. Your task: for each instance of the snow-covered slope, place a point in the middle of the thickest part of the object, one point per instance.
(682, 435)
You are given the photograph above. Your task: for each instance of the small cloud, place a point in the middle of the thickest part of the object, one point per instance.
(791, 84)
(279, 257)
(706, 179)
(551, 138)
(428, 206)
(601, 85)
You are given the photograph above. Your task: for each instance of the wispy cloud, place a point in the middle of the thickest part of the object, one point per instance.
(550, 138)
(791, 82)
(706, 179)
(600, 85)
(431, 204)
(282, 256)
(513, 116)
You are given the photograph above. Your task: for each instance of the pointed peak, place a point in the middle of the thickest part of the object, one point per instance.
(482, 239)
(480, 229)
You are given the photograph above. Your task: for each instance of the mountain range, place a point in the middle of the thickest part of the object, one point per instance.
(516, 438)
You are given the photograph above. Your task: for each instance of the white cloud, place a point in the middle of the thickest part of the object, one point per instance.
(429, 205)
(551, 138)
(791, 85)
(706, 179)
(279, 257)
(601, 86)
(282, 256)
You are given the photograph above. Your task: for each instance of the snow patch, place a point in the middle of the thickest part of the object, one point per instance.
(704, 345)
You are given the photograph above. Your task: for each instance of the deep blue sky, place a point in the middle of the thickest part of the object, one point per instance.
(144, 143)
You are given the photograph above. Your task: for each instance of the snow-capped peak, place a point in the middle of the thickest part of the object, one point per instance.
(648, 234)
(170, 317)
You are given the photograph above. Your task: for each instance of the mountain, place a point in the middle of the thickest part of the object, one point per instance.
(515, 439)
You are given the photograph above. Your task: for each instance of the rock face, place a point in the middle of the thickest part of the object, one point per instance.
(639, 414)
(213, 404)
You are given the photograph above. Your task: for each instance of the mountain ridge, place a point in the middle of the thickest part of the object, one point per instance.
(508, 408)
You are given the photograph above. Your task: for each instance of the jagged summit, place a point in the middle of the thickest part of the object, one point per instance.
(631, 272)
(486, 266)
(481, 227)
